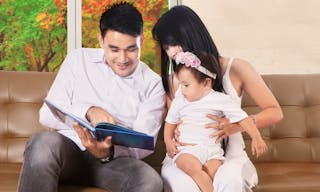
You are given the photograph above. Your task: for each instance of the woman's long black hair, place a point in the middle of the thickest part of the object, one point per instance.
(182, 26)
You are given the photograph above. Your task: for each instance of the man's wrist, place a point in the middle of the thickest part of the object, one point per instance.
(110, 157)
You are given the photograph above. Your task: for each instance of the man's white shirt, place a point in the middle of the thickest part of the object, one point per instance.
(84, 80)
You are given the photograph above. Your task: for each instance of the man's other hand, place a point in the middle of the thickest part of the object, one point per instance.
(99, 149)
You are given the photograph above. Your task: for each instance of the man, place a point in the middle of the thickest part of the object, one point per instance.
(101, 85)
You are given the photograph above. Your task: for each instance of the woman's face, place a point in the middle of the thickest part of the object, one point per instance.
(173, 50)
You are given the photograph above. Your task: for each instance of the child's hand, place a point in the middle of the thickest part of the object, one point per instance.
(171, 149)
(258, 147)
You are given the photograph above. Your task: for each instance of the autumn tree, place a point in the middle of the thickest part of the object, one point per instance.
(33, 34)
(150, 10)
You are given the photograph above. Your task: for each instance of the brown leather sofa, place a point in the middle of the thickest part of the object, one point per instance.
(291, 164)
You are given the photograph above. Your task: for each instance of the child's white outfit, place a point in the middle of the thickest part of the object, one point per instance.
(194, 118)
(236, 174)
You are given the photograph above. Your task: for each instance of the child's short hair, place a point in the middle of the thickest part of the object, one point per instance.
(209, 62)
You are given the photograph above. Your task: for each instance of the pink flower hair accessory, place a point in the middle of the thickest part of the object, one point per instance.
(188, 58)
(191, 60)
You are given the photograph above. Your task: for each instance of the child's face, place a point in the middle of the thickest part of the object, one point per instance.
(190, 87)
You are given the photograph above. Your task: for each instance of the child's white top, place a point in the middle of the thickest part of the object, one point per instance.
(194, 115)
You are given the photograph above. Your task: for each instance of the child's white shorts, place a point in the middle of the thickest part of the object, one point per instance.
(203, 152)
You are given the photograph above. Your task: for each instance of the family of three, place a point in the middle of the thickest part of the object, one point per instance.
(111, 84)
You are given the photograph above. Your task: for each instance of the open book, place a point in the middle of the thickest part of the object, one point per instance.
(120, 135)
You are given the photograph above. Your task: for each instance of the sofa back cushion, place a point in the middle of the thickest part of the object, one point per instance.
(297, 137)
(21, 96)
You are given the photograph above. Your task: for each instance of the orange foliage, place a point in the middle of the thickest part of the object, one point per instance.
(94, 7)
(150, 10)
(61, 4)
(49, 21)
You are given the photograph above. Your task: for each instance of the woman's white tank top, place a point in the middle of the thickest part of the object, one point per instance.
(236, 143)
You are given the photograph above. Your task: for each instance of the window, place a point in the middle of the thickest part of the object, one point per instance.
(36, 35)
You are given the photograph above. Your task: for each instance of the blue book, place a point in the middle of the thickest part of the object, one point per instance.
(120, 135)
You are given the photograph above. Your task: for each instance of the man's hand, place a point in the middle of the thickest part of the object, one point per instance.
(97, 115)
(99, 149)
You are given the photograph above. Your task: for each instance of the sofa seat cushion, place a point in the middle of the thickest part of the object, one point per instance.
(9, 176)
(291, 177)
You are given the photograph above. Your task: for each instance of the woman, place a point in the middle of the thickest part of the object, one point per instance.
(181, 29)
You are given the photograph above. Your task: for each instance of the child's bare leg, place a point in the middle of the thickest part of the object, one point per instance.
(211, 167)
(193, 167)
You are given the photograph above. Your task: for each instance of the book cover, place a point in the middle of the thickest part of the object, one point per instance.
(120, 135)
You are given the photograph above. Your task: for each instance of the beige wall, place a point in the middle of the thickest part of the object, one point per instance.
(275, 36)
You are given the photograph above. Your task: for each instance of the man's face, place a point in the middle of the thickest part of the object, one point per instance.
(122, 51)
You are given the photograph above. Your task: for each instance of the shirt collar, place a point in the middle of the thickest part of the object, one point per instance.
(136, 73)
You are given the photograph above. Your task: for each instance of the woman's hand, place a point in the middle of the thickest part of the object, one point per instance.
(177, 134)
(224, 127)
(99, 149)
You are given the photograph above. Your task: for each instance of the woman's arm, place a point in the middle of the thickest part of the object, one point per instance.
(258, 145)
(245, 78)
(255, 87)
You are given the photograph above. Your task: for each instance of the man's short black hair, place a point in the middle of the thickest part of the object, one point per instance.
(122, 17)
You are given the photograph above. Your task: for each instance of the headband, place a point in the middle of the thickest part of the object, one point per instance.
(191, 60)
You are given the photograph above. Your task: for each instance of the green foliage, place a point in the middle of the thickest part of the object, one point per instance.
(151, 10)
(31, 33)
